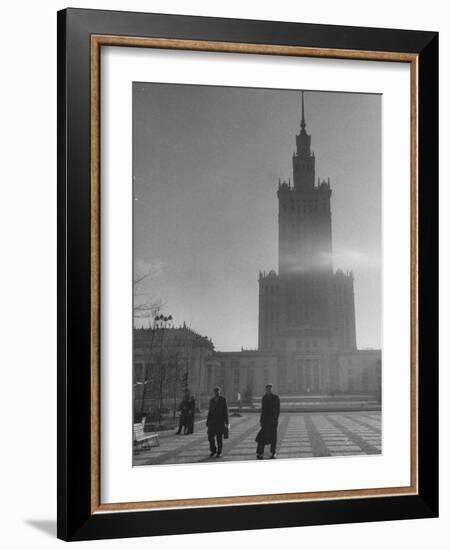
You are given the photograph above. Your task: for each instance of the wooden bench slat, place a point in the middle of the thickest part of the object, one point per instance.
(141, 436)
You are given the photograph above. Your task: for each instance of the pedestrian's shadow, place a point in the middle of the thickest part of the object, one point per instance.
(207, 459)
(47, 526)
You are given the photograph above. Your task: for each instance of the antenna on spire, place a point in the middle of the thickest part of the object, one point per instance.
(303, 123)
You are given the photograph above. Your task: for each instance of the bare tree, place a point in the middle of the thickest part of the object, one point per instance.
(148, 372)
(145, 305)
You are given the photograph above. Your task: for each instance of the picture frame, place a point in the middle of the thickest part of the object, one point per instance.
(81, 36)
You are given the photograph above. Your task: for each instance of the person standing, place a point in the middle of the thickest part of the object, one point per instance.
(217, 422)
(187, 412)
(190, 415)
(267, 435)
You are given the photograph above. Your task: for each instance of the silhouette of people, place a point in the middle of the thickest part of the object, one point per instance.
(187, 413)
(267, 435)
(217, 422)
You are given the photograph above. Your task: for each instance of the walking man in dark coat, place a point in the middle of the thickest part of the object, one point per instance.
(270, 411)
(217, 422)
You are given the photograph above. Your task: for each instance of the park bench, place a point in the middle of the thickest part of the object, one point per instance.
(142, 439)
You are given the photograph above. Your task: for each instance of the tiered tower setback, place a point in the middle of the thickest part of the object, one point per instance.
(306, 301)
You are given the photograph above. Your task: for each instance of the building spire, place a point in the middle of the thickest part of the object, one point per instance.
(303, 123)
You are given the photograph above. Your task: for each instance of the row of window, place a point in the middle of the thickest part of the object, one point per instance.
(304, 315)
(308, 235)
(307, 344)
(244, 363)
(305, 166)
(271, 290)
(306, 206)
(308, 224)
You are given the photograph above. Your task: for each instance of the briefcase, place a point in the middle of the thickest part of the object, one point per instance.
(226, 433)
(259, 436)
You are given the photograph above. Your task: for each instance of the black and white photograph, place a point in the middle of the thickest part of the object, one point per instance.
(225, 247)
(257, 245)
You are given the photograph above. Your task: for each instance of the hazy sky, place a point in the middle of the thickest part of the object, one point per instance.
(206, 167)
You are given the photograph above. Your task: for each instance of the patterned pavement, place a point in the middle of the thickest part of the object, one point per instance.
(299, 435)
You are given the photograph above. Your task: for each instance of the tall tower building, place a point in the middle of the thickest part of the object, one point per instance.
(306, 311)
(304, 215)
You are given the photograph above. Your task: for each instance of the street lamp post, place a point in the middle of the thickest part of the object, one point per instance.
(200, 378)
(161, 323)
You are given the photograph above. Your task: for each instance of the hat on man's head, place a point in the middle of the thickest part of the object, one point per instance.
(269, 385)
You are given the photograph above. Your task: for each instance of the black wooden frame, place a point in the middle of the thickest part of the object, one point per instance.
(75, 520)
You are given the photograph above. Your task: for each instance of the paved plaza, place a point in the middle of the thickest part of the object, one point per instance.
(299, 435)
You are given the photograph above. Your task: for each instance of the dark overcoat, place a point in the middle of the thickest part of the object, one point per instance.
(187, 409)
(270, 411)
(217, 418)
